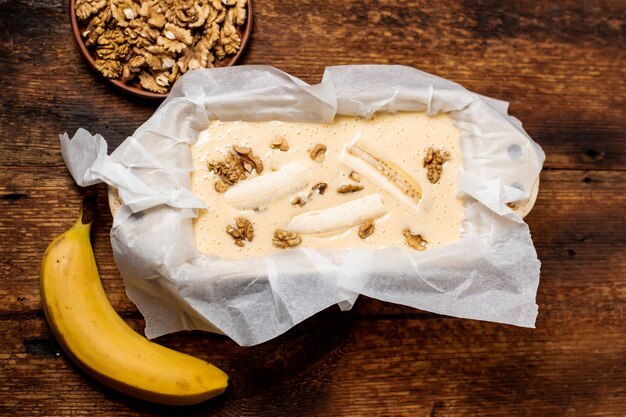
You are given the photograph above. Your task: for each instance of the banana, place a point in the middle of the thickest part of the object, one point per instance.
(264, 189)
(384, 173)
(100, 342)
(338, 218)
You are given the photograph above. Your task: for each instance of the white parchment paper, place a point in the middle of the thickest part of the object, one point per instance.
(492, 273)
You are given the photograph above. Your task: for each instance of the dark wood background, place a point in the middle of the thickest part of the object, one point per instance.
(560, 63)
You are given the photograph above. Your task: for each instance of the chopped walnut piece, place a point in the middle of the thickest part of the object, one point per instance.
(228, 173)
(285, 239)
(320, 187)
(186, 12)
(200, 17)
(168, 63)
(242, 230)
(109, 68)
(215, 18)
(133, 67)
(201, 56)
(349, 188)
(86, 8)
(112, 45)
(229, 38)
(217, 4)
(304, 197)
(248, 159)
(124, 11)
(184, 60)
(433, 162)
(148, 8)
(318, 153)
(157, 50)
(242, 150)
(220, 53)
(221, 186)
(280, 143)
(174, 73)
(130, 13)
(366, 229)
(174, 32)
(299, 201)
(414, 241)
(149, 83)
(93, 35)
(96, 27)
(240, 8)
(234, 170)
(157, 21)
(112, 36)
(140, 35)
(162, 79)
(172, 45)
(354, 176)
(152, 61)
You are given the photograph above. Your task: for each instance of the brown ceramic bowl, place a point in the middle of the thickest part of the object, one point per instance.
(135, 88)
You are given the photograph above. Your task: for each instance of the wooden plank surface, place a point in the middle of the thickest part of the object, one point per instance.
(561, 64)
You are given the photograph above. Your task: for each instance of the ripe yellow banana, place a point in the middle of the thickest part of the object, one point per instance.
(100, 342)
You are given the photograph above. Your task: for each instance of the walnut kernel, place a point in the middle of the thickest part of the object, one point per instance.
(354, 176)
(318, 153)
(366, 229)
(285, 239)
(242, 230)
(109, 68)
(86, 8)
(148, 82)
(414, 241)
(299, 201)
(320, 188)
(280, 143)
(433, 162)
(349, 188)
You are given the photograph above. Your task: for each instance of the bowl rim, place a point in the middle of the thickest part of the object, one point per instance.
(137, 91)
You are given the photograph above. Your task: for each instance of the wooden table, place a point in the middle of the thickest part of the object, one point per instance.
(561, 64)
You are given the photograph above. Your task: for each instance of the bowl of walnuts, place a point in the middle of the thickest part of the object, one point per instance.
(143, 47)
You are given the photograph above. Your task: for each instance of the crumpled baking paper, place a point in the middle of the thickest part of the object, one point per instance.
(491, 273)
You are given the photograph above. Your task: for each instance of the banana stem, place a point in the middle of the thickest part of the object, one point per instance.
(88, 209)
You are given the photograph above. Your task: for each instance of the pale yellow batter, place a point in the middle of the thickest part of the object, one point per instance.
(401, 138)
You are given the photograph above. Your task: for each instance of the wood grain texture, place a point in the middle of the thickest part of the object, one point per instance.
(561, 64)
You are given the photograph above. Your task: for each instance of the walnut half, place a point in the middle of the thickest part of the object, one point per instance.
(109, 68)
(285, 239)
(433, 162)
(242, 230)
